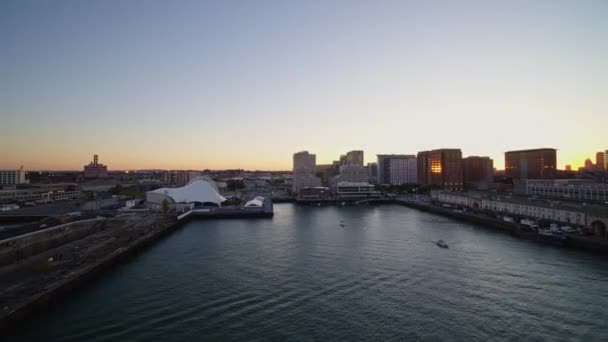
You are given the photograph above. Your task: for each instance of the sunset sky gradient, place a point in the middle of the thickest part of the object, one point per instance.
(245, 84)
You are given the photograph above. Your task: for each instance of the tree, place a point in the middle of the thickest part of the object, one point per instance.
(234, 184)
(88, 195)
(117, 190)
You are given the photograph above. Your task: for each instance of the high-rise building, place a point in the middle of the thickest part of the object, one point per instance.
(353, 173)
(600, 160)
(442, 167)
(95, 169)
(179, 177)
(396, 169)
(422, 168)
(531, 164)
(304, 170)
(478, 172)
(12, 177)
(589, 165)
(445, 166)
(326, 172)
(353, 158)
(372, 172)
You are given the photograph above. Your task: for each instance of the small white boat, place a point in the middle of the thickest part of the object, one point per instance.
(441, 244)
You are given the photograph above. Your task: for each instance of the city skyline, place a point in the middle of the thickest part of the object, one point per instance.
(202, 85)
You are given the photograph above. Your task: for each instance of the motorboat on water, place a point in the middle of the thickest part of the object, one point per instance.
(550, 236)
(442, 244)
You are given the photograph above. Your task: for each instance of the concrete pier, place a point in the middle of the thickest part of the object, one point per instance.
(49, 264)
(39, 267)
(266, 211)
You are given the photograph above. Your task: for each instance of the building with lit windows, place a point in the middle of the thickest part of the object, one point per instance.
(442, 167)
(531, 164)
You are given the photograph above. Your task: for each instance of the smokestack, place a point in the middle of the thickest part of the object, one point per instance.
(95, 159)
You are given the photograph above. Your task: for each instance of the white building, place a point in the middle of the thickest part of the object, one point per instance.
(572, 189)
(556, 212)
(12, 177)
(349, 190)
(397, 169)
(354, 173)
(304, 168)
(256, 202)
(201, 190)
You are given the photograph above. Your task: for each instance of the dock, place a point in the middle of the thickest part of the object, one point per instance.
(232, 212)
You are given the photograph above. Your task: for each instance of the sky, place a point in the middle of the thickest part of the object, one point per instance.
(245, 84)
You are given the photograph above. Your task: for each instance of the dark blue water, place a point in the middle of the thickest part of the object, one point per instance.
(303, 277)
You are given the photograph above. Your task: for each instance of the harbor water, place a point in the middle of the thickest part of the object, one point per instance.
(334, 273)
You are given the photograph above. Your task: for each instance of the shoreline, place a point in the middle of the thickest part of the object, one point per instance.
(159, 226)
(78, 276)
(584, 243)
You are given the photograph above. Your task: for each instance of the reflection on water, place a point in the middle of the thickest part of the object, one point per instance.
(302, 276)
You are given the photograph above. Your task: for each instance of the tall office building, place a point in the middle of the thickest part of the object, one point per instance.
(589, 166)
(531, 164)
(353, 174)
(304, 170)
(12, 177)
(372, 172)
(351, 168)
(442, 167)
(422, 168)
(445, 166)
(396, 169)
(95, 169)
(353, 158)
(478, 172)
(600, 161)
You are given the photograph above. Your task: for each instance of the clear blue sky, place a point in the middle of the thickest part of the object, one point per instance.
(201, 84)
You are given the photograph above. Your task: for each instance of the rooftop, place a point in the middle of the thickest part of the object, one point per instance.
(533, 150)
(594, 209)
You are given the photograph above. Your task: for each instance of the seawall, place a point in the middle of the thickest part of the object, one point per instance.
(585, 243)
(33, 284)
(20, 247)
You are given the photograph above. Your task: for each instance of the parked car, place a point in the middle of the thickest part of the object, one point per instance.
(568, 229)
